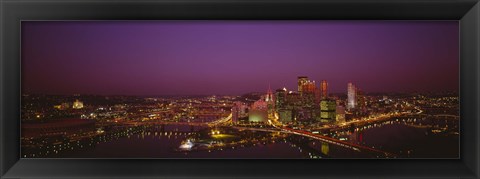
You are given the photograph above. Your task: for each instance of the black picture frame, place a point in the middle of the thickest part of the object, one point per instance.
(14, 11)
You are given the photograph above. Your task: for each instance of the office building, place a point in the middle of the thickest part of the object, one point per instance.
(324, 89)
(301, 81)
(328, 110)
(351, 96)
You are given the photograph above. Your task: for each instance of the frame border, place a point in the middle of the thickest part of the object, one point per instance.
(14, 11)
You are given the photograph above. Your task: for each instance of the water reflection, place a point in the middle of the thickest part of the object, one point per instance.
(407, 137)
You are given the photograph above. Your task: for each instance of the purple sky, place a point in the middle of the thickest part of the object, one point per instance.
(237, 57)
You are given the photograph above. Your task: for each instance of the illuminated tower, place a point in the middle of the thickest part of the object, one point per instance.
(270, 103)
(302, 80)
(269, 96)
(352, 96)
(324, 89)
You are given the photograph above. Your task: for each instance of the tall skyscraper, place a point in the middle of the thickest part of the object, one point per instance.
(270, 103)
(352, 96)
(280, 98)
(324, 89)
(302, 80)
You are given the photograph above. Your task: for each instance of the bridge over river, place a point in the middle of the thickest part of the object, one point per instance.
(333, 141)
(227, 120)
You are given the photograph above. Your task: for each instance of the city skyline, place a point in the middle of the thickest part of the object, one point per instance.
(233, 58)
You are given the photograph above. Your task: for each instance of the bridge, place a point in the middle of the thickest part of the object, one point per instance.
(333, 141)
(441, 115)
(227, 119)
(337, 142)
(156, 122)
(326, 139)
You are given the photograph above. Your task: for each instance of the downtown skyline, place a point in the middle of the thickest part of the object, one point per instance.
(237, 57)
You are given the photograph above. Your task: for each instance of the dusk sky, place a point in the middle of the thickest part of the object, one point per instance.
(237, 57)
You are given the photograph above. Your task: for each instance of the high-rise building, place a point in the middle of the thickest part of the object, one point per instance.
(308, 87)
(328, 110)
(270, 103)
(238, 111)
(340, 114)
(301, 81)
(361, 102)
(235, 114)
(318, 95)
(280, 98)
(351, 96)
(361, 99)
(324, 89)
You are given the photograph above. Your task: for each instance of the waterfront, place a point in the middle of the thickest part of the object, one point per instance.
(203, 127)
(401, 138)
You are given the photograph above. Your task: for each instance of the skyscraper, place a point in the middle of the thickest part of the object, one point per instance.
(280, 98)
(302, 80)
(324, 89)
(328, 110)
(352, 96)
(238, 111)
(270, 103)
(308, 87)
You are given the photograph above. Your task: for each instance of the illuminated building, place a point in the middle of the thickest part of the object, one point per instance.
(289, 112)
(340, 114)
(285, 115)
(235, 114)
(294, 100)
(328, 110)
(351, 96)
(280, 98)
(324, 89)
(308, 87)
(269, 99)
(257, 115)
(361, 102)
(62, 106)
(238, 111)
(281, 105)
(258, 111)
(77, 104)
(301, 81)
(318, 95)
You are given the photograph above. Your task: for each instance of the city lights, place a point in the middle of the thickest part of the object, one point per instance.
(268, 89)
(232, 120)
